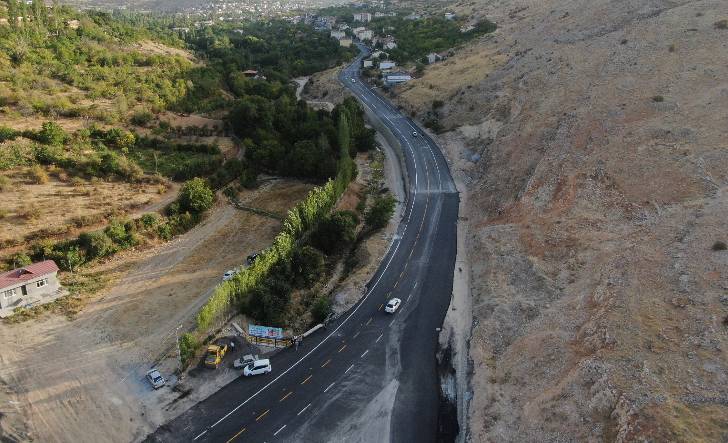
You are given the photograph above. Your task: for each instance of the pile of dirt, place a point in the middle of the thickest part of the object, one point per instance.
(593, 152)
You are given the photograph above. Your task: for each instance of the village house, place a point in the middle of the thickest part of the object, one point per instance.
(345, 42)
(28, 286)
(365, 35)
(389, 42)
(367, 63)
(387, 64)
(396, 78)
(338, 35)
(363, 17)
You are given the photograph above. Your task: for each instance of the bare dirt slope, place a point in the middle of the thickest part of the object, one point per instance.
(82, 380)
(594, 155)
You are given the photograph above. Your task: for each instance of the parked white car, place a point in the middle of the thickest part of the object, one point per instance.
(415, 134)
(156, 379)
(392, 305)
(229, 275)
(257, 367)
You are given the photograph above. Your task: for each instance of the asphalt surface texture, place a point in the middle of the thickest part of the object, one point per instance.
(370, 375)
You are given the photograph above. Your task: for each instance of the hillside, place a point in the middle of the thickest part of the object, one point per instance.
(589, 137)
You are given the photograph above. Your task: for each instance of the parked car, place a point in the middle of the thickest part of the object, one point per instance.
(415, 134)
(392, 305)
(229, 275)
(257, 367)
(353, 80)
(156, 379)
(244, 361)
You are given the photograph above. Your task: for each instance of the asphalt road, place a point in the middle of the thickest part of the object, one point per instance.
(370, 376)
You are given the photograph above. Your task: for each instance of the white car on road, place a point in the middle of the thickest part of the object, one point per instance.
(392, 305)
(257, 367)
(415, 134)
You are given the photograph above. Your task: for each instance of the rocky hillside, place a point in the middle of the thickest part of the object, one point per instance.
(590, 137)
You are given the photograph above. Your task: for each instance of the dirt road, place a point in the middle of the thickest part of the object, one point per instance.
(82, 380)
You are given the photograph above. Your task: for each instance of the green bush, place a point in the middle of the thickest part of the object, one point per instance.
(97, 244)
(320, 309)
(8, 134)
(52, 133)
(307, 266)
(141, 118)
(380, 212)
(187, 347)
(149, 220)
(335, 233)
(196, 196)
(19, 259)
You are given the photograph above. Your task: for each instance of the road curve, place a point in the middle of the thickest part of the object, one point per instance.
(369, 375)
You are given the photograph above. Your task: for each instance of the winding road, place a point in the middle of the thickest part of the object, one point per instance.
(370, 376)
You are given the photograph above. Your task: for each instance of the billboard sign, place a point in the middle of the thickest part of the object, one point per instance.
(265, 331)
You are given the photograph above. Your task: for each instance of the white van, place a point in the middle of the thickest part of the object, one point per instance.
(257, 367)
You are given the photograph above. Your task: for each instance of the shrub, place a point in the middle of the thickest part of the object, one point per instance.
(97, 244)
(380, 212)
(52, 133)
(149, 220)
(307, 265)
(658, 99)
(437, 104)
(721, 24)
(38, 175)
(335, 233)
(19, 259)
(719, 246)
(4, 183)
(121, 233)
(141, 118)
(8, 134)
(196, 196)
(187, 347)
(320, 309)
(30, 212)
(86, 220)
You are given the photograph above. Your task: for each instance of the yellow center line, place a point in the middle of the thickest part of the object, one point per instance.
(380, 307)
(326, 363)
(286, 396)
(342, 348)
(307, 379)
(263, 415)
(236, 435)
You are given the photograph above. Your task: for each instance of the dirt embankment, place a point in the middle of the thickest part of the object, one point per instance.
(593, 153)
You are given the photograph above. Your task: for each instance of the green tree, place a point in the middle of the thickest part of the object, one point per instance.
(19, 259)
(196, 196)
(320, 309)
(380, 212)
(336, 232)
(97, 244)
(71, 258)
(307, 265)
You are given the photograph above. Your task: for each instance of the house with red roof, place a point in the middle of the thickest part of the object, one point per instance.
(28, 286)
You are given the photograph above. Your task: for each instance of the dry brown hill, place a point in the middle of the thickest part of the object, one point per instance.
(591, 139)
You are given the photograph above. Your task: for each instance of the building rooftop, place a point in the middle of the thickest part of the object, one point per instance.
(27, 273)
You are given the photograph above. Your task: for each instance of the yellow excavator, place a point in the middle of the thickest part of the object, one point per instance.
(215, 354)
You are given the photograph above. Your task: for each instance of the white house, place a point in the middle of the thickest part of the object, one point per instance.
(27, 286)
(397, 77)
(364, 17)
(450, 16)
(387, 64)
(338, 35)
(368, 63)
(389, 42)
(379, 54)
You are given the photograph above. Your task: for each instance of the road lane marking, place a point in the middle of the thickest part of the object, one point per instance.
(328, 387)
(326, 363)
(278, 431)
(342, 348)
(390, 323)
(201, 434)
(369, 321)
(236, 435)
(286, 396)
(307, 379)
(262, 415)
(301, 411)
(357, 333)
(378, 338)
(348, 369)
(380, 307)
(365, 353)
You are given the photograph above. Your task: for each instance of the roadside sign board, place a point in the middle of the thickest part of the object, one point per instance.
(265, 331)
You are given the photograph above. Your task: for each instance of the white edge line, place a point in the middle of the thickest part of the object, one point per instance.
(365, 353)
(278, 431)
(201, 434)
(348, 369)
(379, 338)
(302, 410)
(329, 387)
